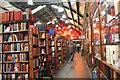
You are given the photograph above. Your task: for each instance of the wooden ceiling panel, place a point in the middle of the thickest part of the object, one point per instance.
(73, 4)
(82, 6)
(68, 13)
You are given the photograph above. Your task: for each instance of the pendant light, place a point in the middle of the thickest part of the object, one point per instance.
(30, 2)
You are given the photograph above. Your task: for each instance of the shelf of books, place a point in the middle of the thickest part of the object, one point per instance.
(1, 30)
(53, 56)
(67, 55)
(19, 55)
(57, 65)
(107, 64)
(49, 52)
(59, 57)
(62, 52)
(45, 44)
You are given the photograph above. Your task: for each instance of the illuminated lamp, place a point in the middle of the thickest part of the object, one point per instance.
(61, 19)
(56, 26)
(53, 22)
(97, 19)
(60, 9)
(66, 21)
(69, 26)
(70, 29)
(59, 28)
(63, 16)
(30, 2)
(71, 37)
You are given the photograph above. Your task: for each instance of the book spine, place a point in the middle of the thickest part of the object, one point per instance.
(11, 15)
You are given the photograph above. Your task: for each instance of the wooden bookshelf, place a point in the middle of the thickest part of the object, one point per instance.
(107, 62)
(110, 72)
(61, 52)
(45, 44)
(20, 52)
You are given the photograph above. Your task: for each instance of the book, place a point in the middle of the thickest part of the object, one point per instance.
(0, 38)
(17, 15)
(22, 26)
(43, 35)
(11, 15)
(6, 16)
(1, 28)
(5, 47)
(25, 37)
(25, 47)
(25, 26)
(17, 27)
(34, 51)
(42, 43)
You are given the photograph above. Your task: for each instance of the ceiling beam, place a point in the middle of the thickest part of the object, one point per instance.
(71, 19)
(75, 26)
(73, 11)
(74, 20)
(77, 6)
(70, 8)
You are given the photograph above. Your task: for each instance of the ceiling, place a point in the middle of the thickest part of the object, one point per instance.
(73, 9)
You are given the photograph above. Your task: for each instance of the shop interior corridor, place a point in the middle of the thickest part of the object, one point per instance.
(38, 37)
(74, 69)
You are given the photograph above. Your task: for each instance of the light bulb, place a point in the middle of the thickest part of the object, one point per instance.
(60, 9)
(30, 2)
(63, 16)
(66, 21)
(56, 25)
(70, 29)
(59, 28)
(69, 26)
(53, 22)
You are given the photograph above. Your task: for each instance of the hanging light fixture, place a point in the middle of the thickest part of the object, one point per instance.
(63, 16)
(69, 26)
(60, 9)
(56, 26)
(66, 21)
(30, 2)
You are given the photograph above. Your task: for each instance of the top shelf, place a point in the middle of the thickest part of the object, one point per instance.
(19, 21)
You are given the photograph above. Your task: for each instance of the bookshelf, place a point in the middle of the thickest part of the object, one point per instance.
(1, 51)
(56, 55)
(61, 51)
(49, 51)
(19, 55)
(67, 55)
(53, 56)
(107, 47)
(45, 44)
(57, 51)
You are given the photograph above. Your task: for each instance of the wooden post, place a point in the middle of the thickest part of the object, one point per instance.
(92, 37)
(100, 31)
(31, 63)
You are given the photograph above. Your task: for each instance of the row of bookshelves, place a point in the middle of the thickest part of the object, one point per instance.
(26, 51)
(104, 42)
